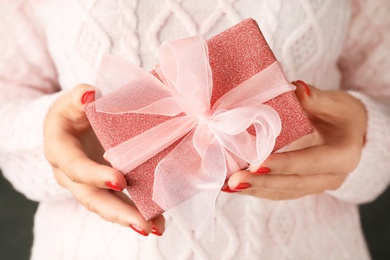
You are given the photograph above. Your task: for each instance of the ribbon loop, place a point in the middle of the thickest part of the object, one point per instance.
(216, 141)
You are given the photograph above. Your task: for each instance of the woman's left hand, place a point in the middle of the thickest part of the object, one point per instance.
(317, 162)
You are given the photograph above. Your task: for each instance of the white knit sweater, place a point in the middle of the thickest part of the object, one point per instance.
(53, 45)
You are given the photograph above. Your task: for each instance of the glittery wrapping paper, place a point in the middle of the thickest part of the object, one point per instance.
(235, 55)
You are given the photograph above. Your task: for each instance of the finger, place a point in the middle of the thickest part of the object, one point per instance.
(70, 106)
(314, 101)
(331, 106)
(246, 182)
(272, 195)
(67, 116)
(68, 155)
(80, 169)
(80, 96)
(158, 223)
(158, 227)
(338, 158)
(111, 207)
(322, 106)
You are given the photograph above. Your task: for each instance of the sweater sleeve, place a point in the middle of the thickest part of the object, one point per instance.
(364, 64)
(28, 87)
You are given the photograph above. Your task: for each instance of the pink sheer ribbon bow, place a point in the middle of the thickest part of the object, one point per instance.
(215, 138)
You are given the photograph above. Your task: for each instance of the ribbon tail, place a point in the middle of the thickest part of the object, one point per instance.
(197, 213)
(188, 186)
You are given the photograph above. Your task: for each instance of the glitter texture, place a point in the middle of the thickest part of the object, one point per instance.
(235, 55)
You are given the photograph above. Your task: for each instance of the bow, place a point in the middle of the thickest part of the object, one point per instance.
(214, 137)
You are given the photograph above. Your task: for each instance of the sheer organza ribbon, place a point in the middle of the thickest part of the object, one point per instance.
(215, 138)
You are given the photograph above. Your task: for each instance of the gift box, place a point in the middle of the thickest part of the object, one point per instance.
(236, 56)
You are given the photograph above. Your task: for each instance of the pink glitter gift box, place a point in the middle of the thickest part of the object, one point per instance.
(235, 55)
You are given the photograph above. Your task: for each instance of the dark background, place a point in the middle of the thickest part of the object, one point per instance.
(16, 220)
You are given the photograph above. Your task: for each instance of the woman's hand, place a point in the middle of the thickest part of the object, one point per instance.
(315, 163)
(75, 154)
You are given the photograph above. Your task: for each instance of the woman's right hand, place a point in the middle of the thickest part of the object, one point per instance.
(76, 157)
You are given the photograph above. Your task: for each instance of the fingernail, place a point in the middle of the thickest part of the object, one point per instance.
(138, 230)
(242, 186)
(113, 185)
(307, 89)
(226, 188)
(156, 232)
(88, 97)
(263, 170)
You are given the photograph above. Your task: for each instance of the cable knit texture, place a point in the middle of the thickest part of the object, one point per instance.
(48, 46)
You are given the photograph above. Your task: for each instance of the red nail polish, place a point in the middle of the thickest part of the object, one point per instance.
(227, 189)
(88, 97)
(138, 230)
(242, 186)
(156, 232)
(113, 185)
(263, 170)
(307, 89)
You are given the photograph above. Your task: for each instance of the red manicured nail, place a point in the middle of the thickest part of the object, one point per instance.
(138, 230)
(156, 232)
(88, 97)
(227, 189)
(242, 186)
(307, 89)
(113, 185)
(263, 170)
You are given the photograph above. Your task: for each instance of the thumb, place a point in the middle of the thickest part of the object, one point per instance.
(315, 102)
(306, 95)
(80, 96)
